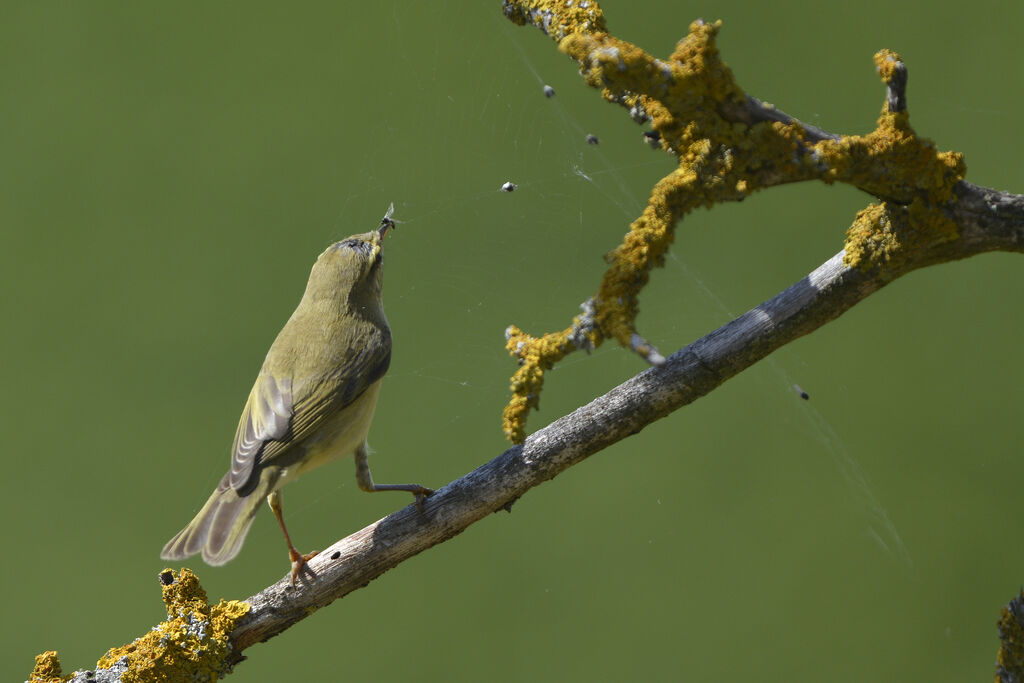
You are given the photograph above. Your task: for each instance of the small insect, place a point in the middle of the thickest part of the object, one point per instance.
(549, 91)
(388, 223)
(800, 392)
(509, 186)
(592, 139)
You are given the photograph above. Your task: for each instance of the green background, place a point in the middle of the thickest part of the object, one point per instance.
(171, 171)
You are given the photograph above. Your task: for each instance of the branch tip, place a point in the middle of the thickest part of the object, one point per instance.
(47, 669)
(646, 350)
(894, 73)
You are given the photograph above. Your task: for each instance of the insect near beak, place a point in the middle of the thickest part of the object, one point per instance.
(387, 223)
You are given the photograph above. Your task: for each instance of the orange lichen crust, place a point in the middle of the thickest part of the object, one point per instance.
(47, 669)
(193, 644)
(724, 153)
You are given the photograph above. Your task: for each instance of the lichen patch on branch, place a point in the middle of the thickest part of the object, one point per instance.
(193, 644)
(725, 151)
(1010, 661)
(916, 180)
(47, 669)
(557, 18)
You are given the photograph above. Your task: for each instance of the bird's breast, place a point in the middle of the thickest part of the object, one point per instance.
(342, 433)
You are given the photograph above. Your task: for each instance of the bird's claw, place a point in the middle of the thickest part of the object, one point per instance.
(420, 495)
(300, 564)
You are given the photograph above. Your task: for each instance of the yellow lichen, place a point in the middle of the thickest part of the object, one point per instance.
(916, 179)
(1011, 636)
(694, 104)
(885, 62)
(47, 669)
(557, 18)
(892, 161)
(683, 97)
(895, 238)
(537, 355)
(193, 644)
(878, 235)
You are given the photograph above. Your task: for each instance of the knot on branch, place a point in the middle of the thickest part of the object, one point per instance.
(896, 238)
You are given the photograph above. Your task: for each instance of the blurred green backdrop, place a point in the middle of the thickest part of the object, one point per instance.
(170, 173)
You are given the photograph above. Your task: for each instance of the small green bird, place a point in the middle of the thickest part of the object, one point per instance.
(312, 402)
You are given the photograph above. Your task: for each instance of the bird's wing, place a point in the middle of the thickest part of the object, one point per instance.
(265, 419)
(285, 410)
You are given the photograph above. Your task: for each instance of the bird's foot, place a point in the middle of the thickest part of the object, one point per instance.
(299, 563)
(420, 494)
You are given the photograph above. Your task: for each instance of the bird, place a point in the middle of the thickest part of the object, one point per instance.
(312, 402)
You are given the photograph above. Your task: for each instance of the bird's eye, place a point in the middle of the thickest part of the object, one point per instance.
(355, 245)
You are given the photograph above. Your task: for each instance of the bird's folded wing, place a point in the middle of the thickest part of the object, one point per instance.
(285, 410)
(265, 418)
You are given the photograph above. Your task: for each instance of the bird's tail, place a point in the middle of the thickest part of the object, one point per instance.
(219, 529)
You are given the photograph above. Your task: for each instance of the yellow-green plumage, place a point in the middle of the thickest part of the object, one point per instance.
(313, 399)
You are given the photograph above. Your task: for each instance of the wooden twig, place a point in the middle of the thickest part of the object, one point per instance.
(985, 220)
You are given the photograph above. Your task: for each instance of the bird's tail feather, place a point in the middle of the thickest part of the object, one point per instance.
(219, 528)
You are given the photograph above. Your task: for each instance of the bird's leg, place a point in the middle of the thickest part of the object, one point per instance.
(298, 559)
(365, 481)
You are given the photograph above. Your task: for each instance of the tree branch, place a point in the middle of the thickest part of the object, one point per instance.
(985, 220)
(688, 374)
(625, 410)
